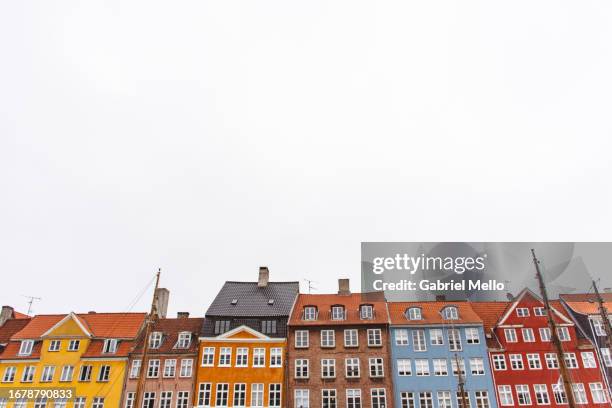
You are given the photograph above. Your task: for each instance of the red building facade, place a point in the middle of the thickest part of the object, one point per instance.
(524, 361)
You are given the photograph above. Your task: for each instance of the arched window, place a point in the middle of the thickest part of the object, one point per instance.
(450, 313)
(414, 313)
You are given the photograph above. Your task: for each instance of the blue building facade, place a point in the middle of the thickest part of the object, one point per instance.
(430, 343)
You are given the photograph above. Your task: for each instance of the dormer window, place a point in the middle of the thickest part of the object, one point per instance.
(414, 313)
(451, 313)
(366, 312)
(155, 340)
(184, 340)
(310, 313)
(337, 312)
(110, 346)
(26, 347)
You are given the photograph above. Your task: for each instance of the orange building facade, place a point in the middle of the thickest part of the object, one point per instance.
(241, 368)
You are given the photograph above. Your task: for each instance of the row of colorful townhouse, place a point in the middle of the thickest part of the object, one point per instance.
(263, 344)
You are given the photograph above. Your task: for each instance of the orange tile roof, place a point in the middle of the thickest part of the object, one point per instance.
(586, 303)
(113, 325)
(37, 326)
(18, 315)
(490, 312)
(351, 304)
(110, 325)
(431, 312)
(94, 350)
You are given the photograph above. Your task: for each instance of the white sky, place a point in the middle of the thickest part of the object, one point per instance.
(208, 138)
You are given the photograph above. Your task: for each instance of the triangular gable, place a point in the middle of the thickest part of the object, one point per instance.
(536, 297)
(244, 330)
(67, 326)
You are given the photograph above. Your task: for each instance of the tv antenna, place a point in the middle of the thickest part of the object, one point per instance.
(311, 287)
(31, 300)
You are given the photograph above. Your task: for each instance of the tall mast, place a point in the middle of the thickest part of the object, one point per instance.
(150, 319)
(554, 337)
(461, 384)
(603, 312)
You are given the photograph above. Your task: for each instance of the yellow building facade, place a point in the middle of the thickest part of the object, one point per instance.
(80, 358)
(241, 368)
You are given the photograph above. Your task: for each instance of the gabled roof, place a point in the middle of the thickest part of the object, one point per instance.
(351, 304)
(170, 329)
(587, 303)
(556, 307)
(431, 313)
(109, 325)
(275, 299)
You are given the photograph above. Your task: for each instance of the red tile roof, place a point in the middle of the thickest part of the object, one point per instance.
(170, 328)
(94, 350)
(12, 351)
(431, 313)
(10, 327)
(351, 304)
(18, 315)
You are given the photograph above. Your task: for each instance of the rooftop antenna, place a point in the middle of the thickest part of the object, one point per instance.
(311, 287)
(31, 300)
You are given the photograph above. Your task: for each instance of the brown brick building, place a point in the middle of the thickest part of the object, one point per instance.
(170, 367)
(339, 351)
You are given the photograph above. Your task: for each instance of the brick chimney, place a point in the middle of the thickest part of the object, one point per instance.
(344, 287)
(163, 296)
(182, 315)
(6, 313)
(264, 277)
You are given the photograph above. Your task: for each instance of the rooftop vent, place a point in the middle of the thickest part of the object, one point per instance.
(271, 302)
(234, 302)
(182, 315)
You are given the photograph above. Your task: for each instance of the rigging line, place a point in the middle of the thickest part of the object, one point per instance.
(129, 308)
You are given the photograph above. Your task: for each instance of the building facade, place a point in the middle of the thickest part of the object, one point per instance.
(432, 345)
(85, 352)
(170, 366)
(584, 310)
(242, 349)
(339, 351)
(525, 363)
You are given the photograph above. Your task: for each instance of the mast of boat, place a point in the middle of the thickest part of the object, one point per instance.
(553, 334)
(150, 319)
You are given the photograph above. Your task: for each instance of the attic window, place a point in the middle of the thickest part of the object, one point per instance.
(234, 302)
(451, 313)
(270, 302)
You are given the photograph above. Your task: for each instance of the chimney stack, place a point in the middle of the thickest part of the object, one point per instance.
(264, 277)
(344, 287)
(182, 315)
(6, 313)
(162, 296)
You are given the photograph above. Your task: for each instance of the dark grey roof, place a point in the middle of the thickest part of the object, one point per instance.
(253, 301)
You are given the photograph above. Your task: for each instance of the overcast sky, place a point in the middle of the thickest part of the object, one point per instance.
(209, 138)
